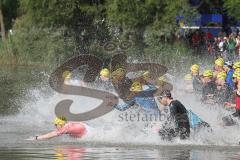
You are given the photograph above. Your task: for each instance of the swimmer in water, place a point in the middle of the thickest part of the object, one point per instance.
(178, 117)
(74, 129)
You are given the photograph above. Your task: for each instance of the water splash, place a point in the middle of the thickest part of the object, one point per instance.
(37, 115)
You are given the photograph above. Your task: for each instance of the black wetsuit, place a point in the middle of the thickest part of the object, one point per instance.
(209, 88)
(123, 89)
(178, 114)
(225, 94)
(197, 84)
(228, 120)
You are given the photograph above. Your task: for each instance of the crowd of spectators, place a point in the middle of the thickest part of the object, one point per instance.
(223, 45)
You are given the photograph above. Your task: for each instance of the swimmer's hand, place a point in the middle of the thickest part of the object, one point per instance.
(229, 105)
(34, 138)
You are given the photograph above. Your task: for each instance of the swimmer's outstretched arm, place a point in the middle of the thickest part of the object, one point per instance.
(125, 106)
(45, 136)
(229, 105)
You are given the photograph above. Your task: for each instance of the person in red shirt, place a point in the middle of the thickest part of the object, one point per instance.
(196, 39)
(73, 129)
(208, 36)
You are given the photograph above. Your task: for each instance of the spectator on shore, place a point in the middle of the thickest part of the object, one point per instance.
(215, 49)
(221, 45)
(225, 48)
(196, 39)
(238, 47)
(231, 47)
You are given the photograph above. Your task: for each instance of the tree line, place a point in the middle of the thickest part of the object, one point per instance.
(48, 31)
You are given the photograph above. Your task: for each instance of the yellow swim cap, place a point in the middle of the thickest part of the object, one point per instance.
(188, 77)
(208, 73)
(118, 72)
(161, 80)
(105, 73)
(67, 74)
(237, 70)
(60, 121)
(236, 65)
(236, 74)
(219, 62)
(136, 87)
(146, 75)
(59, 156)
(222, 75)
(195, 68)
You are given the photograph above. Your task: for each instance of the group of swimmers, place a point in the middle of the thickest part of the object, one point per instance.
(218, 85)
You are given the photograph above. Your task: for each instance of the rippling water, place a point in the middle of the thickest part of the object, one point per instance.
(77, 152)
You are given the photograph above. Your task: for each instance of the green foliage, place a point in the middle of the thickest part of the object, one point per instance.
(150, 21)
(42, 46)
(48, 12)
(232, 7)
(6, 53)
(141, 13)
(48, 31)
(169, 54)
(131, 14)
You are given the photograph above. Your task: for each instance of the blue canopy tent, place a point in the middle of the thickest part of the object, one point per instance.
(206, 23)
(212, 23)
